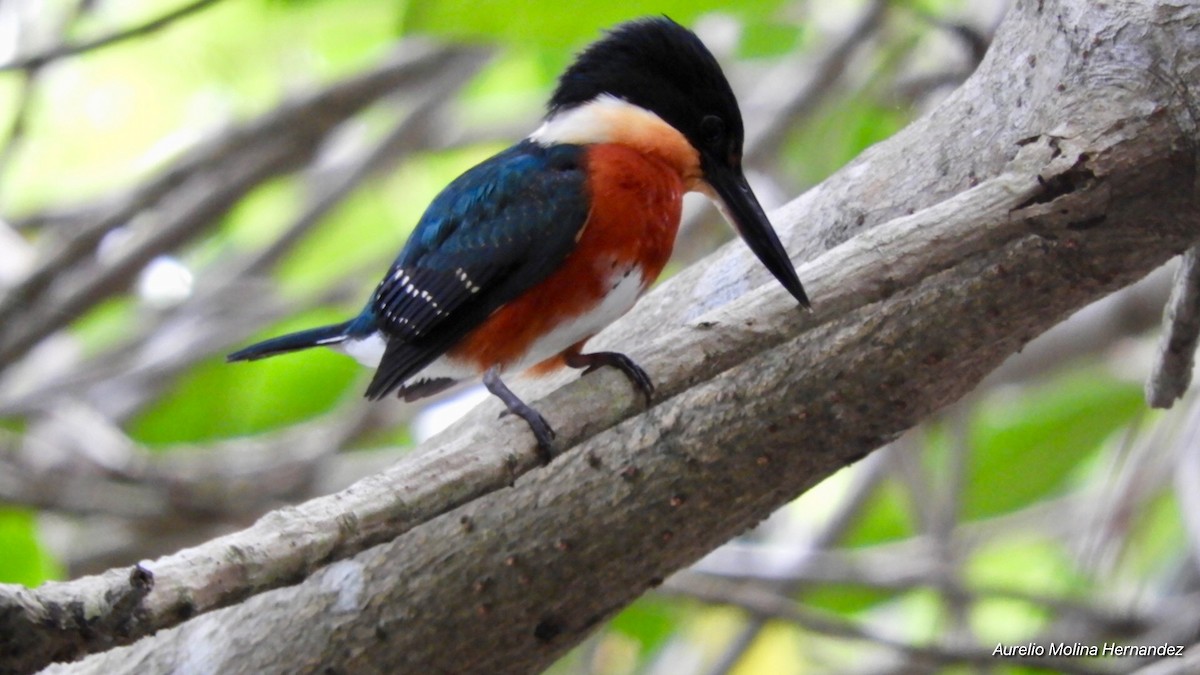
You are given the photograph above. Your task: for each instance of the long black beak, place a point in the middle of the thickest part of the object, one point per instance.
(739, 205)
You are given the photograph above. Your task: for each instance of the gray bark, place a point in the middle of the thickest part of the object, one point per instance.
(1065, 168)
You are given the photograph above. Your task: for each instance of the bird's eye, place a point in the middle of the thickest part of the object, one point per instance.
(712, 128)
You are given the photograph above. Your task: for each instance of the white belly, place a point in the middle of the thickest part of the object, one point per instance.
(625, 289)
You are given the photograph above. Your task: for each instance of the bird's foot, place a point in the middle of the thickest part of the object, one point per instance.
(541, 429)
(590, 362)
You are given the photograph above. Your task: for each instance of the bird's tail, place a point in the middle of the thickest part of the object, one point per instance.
(313, 337)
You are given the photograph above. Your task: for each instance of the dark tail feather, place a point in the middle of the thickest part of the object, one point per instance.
(401, 360)
(314, 337)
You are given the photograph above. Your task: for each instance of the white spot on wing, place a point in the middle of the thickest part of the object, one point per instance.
(626, 286)
(466, 280)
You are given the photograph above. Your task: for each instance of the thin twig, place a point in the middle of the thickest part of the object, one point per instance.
(951, 551)
(20, 120)
(193, 193)
(238, 479)
(771, 111)
(867, 477)
(25, 97)
(123, 367)
(1185, 476)
(414, 132)
(65, 50)
(903, 571)
(1180, 332)
(765, 603)
(767, 140)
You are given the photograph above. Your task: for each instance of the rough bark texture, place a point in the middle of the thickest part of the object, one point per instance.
(1063, 170)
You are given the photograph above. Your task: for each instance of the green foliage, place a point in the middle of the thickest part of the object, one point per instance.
(649, 622)
(512, 86)
(1026, 447)
(839, 132)
(218, 399)
(846, 599)
(525, 23)
(367, 230)
(777, 650)
(933, 7)
(762, 39)
(887, 516)
(1154, 545)
(1029, 566)
(106, 120)
(260, 217)
(23, 560)
(105, 324)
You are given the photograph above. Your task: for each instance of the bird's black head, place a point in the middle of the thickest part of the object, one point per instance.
(660, 66)
(663, 68)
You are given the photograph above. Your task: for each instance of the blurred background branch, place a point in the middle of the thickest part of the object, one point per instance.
(32, 62)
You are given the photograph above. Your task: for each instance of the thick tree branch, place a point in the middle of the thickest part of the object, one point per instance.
(290, 544)
(1057, 174)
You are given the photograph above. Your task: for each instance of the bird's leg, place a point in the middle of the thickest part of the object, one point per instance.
(633, 371)
(541, 429)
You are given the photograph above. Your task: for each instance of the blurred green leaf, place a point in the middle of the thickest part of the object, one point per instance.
(933, 7)
(775, 651)
(886, 516)
(916, 616)
(367, 230)
(108, 117)
(1155, 534)
(1024, 447)
(1028, 565)
(845, 599)
(547, 25)
(220, 400)
(23, 561)
(512, 86)
(768, 39)
(839, 132)
(649, 621)
(259, 217)
(105, 324)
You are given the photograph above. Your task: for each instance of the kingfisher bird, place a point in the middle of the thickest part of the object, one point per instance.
(526, 256)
